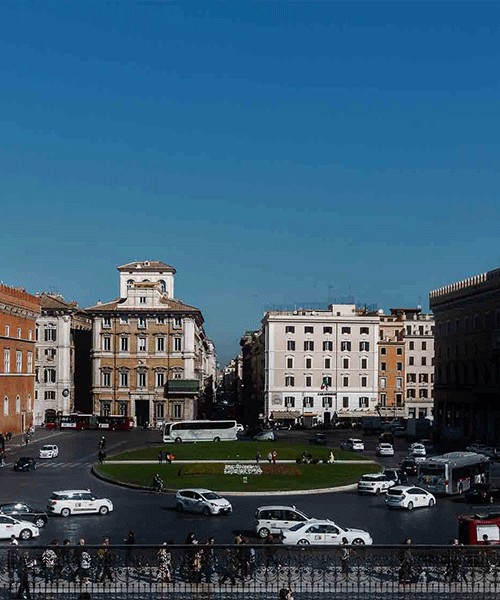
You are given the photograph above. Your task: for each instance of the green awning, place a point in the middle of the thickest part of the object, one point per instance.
(183, 386)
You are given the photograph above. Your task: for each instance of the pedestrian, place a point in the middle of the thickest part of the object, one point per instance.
(129, 541)
(104, 558)
(24, 571)
(229, 566)
(160, 457)
(26, 439)
(331, 458)
(285, 594)
(274, 456)
(209, 560)
(345, 554)
(269, 457)
(269, 551)
(84, 562)
(164, 557)
(68, 560)
(257, 458)
(13, 557)
(101, 456)
(49, 561)
(2, 457)
(102, 443)
(189, 555)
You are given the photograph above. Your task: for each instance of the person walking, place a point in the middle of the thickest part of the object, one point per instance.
(104, 558)
(13, 557)
(274, 456)
(24, 570)
(129, 541)
(68, 560)
(102, 443)
(269, 457)
(49, 561)
(209, 560)
(257, 458)
(160, 457)
(101, 456)
(84, 562)
(164, 558)
(345, 555)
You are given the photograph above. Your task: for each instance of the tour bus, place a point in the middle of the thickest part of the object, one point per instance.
(115, 422)
(199, 431)
(453, 473)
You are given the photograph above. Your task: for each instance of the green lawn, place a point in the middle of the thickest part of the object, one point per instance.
(275, 477)
(238, 450)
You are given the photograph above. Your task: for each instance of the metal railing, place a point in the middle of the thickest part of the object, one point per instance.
(248, 571)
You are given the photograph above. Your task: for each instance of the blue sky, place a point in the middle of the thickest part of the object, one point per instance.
(276, 154)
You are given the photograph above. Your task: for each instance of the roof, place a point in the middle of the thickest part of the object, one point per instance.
(166, 304)
(55, 302)
(147, 266)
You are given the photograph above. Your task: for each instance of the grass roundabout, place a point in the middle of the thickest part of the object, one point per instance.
(232, 467)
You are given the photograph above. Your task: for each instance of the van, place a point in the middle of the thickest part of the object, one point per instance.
(275, 519)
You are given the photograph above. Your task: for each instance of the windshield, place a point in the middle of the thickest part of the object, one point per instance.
(394, 492)
(433, 470)
(211, 496)
(297, 526)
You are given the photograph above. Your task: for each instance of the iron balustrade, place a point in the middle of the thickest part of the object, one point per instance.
(250, 571)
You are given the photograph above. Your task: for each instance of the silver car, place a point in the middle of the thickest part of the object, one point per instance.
(202, 501)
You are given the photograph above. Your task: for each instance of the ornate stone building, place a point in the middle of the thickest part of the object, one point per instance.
(151, 357)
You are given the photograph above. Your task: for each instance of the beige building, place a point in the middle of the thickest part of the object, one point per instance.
(320, 364)
(467, 388)
(151, 357)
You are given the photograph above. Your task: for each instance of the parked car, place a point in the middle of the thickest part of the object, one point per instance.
(202, 501)
(482, 493)
(374, 483)
(265, 436)
(409, 466)
(395, 475)
(418, 450)
(384, 449)
(23, 530)
(409, 497)
(25, 463)
(239, 428)
(318, 531)
(319, 440)
(353, 444)
(24, 512)
(49, 451)
(275, 519)
(73, 502)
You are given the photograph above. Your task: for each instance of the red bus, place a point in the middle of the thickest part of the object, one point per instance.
(475, 529)
(115, 422)
(78, 421)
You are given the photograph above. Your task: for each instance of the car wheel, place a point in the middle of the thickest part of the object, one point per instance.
(377, 492)
(65, 512)
(39, 522)
(206, 511)
(410, 506)
(178, 440)
(303, 543)
(25, 534)
(103, 510)
(179, 507)
(264, 532)
(431, 502)
(358, 542)
(217, 439)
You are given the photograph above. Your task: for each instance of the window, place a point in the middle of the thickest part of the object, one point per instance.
(289, 363)
(49, 375)
(422, 393)
(30, 334)
(309, 363)
(28, 403)
(177, 322)
(50, 353)
(160, 379)
(160, 410)
(49, 395)
(328, 362)
(106, 322)
(141, 323)
(345, 346)
(18, 333)
(412, 345)
(363, 402)
(410, 393)
(124, 379)
(399, 351)
(123, 320)
(289, 381)
(424, 345)
(160, 344)
(289, 329)
(308, 329)
(383, 351)
(30, 362)
(326, 382)
(346, 330)
(345, 363)
(177, 344)
(7, 330)
(290, 345)
(106, 379)
(141, 379)
(411, 361)
(383, 382)
(424, 360)
(345, 401)
(50, 333)
(399, 400)
(177, 373)
(177, 411)
(364, 381)
(106, 343)
(399, 382)
(383, 399)
(160, 320)
(308, 381)
(399, 366)
(124, 344)
(364, 363)
(364, 330)
(19, 361)
(142, 300)
(345, 381)
(383, 366)
(18, 404)
(289, 401)
(5, 406)
(309, 345)
(141, 344)
(327, 402)
(308, 402)
(327, 329)
(327, 345)
(364, 346)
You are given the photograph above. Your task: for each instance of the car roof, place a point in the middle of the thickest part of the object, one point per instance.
(198, 490)
(373, 475)
(405, 488)
(70, 491)
(278, 507)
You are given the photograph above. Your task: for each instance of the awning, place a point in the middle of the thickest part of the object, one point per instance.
(285, 414)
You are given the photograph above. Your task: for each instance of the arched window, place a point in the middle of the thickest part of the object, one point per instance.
(163, 285)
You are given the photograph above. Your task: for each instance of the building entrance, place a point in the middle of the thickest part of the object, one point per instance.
(142, 412)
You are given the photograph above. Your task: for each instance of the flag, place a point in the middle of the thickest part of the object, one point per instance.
(325, 385)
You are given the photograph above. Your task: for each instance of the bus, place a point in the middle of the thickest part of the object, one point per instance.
(199, 431)
(473, 528)
(115, 422)
(78, 421)
(453, 473)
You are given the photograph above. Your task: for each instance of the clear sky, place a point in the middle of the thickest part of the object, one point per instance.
(275, 153)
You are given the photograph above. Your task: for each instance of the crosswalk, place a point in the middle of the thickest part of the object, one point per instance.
(57, 465)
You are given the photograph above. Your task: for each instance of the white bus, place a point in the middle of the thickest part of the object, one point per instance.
(453, 473)
(199, 431)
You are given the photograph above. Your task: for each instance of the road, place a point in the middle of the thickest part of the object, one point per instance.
(153, 519)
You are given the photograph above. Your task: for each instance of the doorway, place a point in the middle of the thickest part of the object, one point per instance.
(142, 412)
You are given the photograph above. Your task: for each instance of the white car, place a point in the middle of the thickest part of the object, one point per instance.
(202, 501)
(418, 450)
(21, 529)
(265, 436)
(239, 428)
(354, 444)
(409, 497)
(75, 502)
(374, 483)
(384, 449)
(276, 518)
(49, 451)
(316, 531)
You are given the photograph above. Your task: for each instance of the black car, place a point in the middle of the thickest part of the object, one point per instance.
(482, 493)
(25, 463)
(409, 467)
(23, 512)
(318, 440)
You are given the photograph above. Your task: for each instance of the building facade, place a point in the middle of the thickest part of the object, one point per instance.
(467, 385)
(391, 356)
(62, 359)
(253, 369)
(320, 365)
(150, 355)
(18, 313)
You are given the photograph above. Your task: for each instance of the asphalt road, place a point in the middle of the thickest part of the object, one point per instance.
(152, 518)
